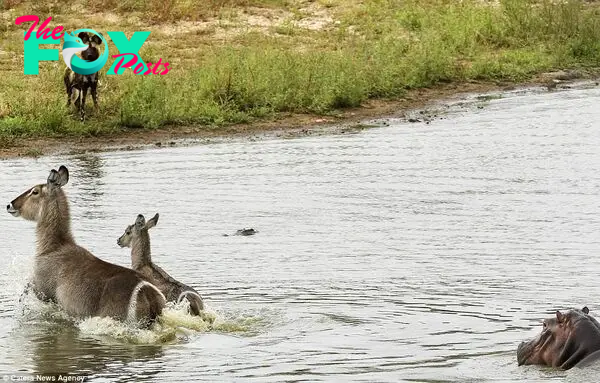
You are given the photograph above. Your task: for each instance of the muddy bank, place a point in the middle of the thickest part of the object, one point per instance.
(418, 105)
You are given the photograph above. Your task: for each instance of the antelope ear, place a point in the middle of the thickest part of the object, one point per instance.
(585, 310)
(140, 221)
(559, 316)
(63, 173)
(53, 180)
(152, 222)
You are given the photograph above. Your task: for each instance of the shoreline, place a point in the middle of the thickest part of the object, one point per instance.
(284, 126)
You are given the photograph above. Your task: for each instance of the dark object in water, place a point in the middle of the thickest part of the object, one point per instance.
(244, 232)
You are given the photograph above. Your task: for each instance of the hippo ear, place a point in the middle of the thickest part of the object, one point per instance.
(585, 310)
(559, 316)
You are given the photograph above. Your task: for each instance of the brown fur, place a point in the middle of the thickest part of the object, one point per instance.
(566, 340)
(65, 272)
(137, 237)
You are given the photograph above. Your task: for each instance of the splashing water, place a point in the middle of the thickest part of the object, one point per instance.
(174, 325)
(97, 327)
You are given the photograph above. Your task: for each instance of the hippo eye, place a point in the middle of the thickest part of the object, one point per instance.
(35, 192)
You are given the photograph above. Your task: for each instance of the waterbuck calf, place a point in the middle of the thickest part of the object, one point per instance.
(68, 274)
(136, 236)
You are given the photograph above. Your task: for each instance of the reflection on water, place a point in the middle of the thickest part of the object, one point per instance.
(53, 352)
(45, 341)
(88, 173)
(421, 252)
(88, 166)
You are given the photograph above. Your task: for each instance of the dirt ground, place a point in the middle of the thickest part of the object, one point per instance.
(287, 126)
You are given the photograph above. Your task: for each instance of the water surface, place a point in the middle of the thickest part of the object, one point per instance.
(415, 252)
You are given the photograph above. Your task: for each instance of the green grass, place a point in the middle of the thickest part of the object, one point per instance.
(376, 49)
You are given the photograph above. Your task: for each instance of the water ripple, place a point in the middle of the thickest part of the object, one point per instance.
(415, 253)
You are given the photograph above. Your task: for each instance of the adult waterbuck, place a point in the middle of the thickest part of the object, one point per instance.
(70, 275)
(136, 236)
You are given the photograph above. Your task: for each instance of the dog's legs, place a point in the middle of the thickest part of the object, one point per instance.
(69, 95)
(93, 87)
(83, 95)
(77, 97)
(68, 86)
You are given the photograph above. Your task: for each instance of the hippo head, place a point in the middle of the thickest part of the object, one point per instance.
(565, 340)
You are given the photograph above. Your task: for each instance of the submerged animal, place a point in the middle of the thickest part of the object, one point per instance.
(64, 272)
(567, 340)
(137, 237)
(243, 232)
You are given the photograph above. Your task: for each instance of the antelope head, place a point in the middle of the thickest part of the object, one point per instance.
(31, 204)
(135, 229)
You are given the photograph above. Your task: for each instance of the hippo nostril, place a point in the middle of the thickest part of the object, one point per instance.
(8, 207)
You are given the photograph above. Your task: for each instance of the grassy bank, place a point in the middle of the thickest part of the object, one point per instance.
(238, 61)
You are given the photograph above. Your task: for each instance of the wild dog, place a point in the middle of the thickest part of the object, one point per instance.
(136, 236)
(76, 84)
(64, 272)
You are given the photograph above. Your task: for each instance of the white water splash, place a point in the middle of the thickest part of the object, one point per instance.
(174, 325)
(97, 327)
